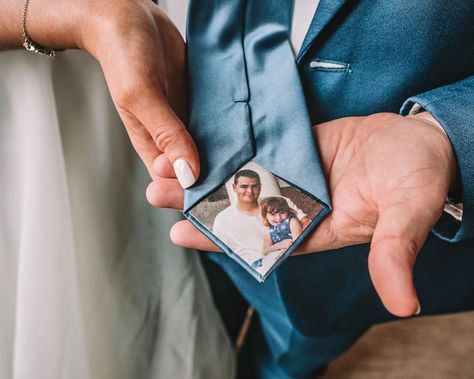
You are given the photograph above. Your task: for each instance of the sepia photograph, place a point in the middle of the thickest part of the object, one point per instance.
(257, 215)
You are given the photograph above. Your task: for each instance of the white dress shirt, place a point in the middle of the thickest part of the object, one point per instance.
(303, 13)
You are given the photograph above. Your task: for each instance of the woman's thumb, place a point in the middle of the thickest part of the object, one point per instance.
(172, 139)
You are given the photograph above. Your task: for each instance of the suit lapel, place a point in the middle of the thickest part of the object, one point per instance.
(324, 13)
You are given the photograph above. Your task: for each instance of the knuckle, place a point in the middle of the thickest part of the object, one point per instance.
(397, 248)
(127, 96)
(412, 249)
(167, 137)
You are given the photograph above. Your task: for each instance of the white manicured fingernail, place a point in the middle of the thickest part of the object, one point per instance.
(184, 173)
(418, 310)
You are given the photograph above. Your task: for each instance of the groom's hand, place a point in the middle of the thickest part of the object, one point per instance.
(388, 177)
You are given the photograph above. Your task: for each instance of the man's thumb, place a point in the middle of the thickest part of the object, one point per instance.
(399, 234)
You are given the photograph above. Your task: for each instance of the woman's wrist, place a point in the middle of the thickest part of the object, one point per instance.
(111, 25)
(10, 24)
(92, 25)
(55, 24)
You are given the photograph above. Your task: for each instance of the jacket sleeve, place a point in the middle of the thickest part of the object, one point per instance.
(453, 106)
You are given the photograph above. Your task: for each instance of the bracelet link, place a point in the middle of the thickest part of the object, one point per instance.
(28, 43)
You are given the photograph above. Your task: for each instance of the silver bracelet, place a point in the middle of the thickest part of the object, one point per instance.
(28, 43)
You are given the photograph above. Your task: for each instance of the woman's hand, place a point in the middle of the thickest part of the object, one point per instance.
(142, 55)
(388, 177)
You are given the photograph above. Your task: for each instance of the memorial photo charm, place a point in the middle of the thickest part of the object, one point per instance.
(257, 218)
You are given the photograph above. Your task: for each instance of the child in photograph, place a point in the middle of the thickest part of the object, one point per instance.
(282, 225)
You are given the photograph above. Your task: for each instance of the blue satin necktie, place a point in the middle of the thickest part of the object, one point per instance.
(246, 100)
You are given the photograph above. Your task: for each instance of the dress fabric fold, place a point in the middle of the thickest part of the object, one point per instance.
(90, 286)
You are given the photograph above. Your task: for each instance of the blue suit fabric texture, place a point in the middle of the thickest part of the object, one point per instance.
(388, 56)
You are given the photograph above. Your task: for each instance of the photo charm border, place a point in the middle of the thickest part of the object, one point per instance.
(323, 212)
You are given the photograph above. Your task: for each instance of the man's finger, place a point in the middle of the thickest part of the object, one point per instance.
(399, 234)
(165, 193)
(185, 234)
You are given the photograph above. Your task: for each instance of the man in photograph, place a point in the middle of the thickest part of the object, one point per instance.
(240, 226)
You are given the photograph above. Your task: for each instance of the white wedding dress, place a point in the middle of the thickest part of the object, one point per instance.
(90, 286)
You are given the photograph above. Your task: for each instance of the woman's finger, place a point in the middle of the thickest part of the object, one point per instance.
(162, 167)
(172, 138)
(165, 193)
(141, 141)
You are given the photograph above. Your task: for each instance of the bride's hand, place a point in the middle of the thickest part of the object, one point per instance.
(142, 55)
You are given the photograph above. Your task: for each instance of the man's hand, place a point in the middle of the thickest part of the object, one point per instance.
(388, 177)
(285, 244)
(142, 55)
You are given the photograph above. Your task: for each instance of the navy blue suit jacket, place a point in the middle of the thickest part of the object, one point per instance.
(388, 55)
